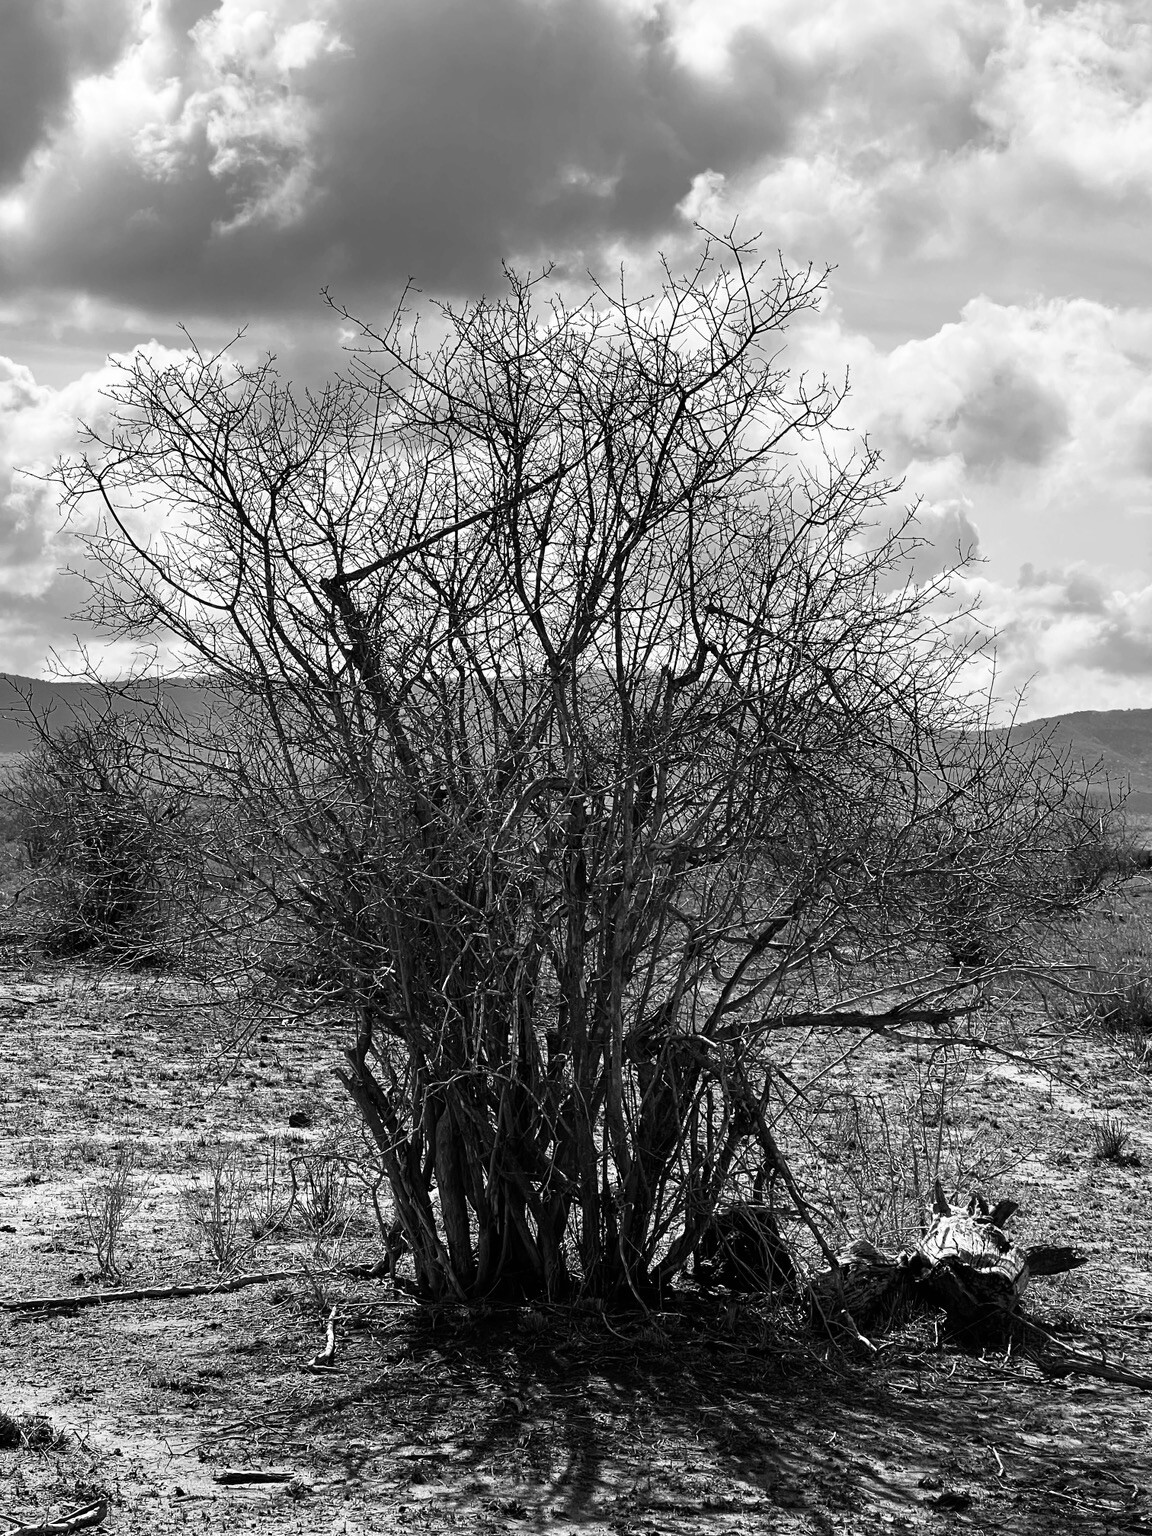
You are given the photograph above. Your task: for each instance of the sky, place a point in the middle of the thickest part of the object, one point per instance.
(978, 173)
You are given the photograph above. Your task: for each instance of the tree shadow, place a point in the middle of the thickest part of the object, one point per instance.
(668, 1423)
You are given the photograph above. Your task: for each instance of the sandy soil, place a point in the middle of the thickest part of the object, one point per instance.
(710, 1421)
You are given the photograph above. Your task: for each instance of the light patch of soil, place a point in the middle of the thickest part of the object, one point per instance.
(716, 1419)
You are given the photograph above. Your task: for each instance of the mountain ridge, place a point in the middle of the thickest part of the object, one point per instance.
(1119, 740)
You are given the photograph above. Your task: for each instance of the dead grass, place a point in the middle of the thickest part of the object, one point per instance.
(878, 1152)
(1112, 1141)
(1113, 989)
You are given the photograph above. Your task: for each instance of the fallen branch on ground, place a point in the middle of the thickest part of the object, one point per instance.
(246, 1475)
(144, 1293)
(1057, 1359)
(325, 1360)
(82, 1519)
(1075, 1364)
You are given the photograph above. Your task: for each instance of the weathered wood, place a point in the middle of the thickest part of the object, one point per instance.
(971, 1269)
(1045, 1259)
(238, 1475)
(964, 1265)
(327, 1356)
(144, 1293)
(873, 1288)
(83, 1519)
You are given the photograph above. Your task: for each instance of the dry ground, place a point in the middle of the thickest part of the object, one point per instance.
(534, 1421)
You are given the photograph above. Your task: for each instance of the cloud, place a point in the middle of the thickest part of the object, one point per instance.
(1009, 418)
(37, 595)
(41, 560)
(48, 44)
(1074, 591)
(947, 147)
(979, 389)
(981, 173)
(232, 158)
(33, 426)
(1067, 94)
(1071, 637)
(1037, 416)
(275, 147)
(948, 538)
(1024, 430)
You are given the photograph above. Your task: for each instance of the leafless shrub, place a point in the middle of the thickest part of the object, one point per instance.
(1112, 853)
(268, 1205)
(323, 1195)
(582, 730)
(112, 852)
(1121, 999)
(881, 1154)
(106, 1204)
(1114, 986)
(217, 1206)
(367, 1168)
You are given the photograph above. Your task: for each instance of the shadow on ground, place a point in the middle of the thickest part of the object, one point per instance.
(561, 1420)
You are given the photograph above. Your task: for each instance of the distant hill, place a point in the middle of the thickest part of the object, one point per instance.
(60, 702)
(1120, 740)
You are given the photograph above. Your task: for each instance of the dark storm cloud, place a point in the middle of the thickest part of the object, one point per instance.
(1010, 419)
(44, 46)
(431, 139)
(456, 134)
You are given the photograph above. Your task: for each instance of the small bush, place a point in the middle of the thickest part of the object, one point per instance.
(324, 1195)
(1105, 853)
(106, 1204)
(218, 1207)
(268, 1208)
(1123, 1003)
(881, 1155)
(112, 854)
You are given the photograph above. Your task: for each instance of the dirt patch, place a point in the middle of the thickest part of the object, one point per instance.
(710, 1419)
